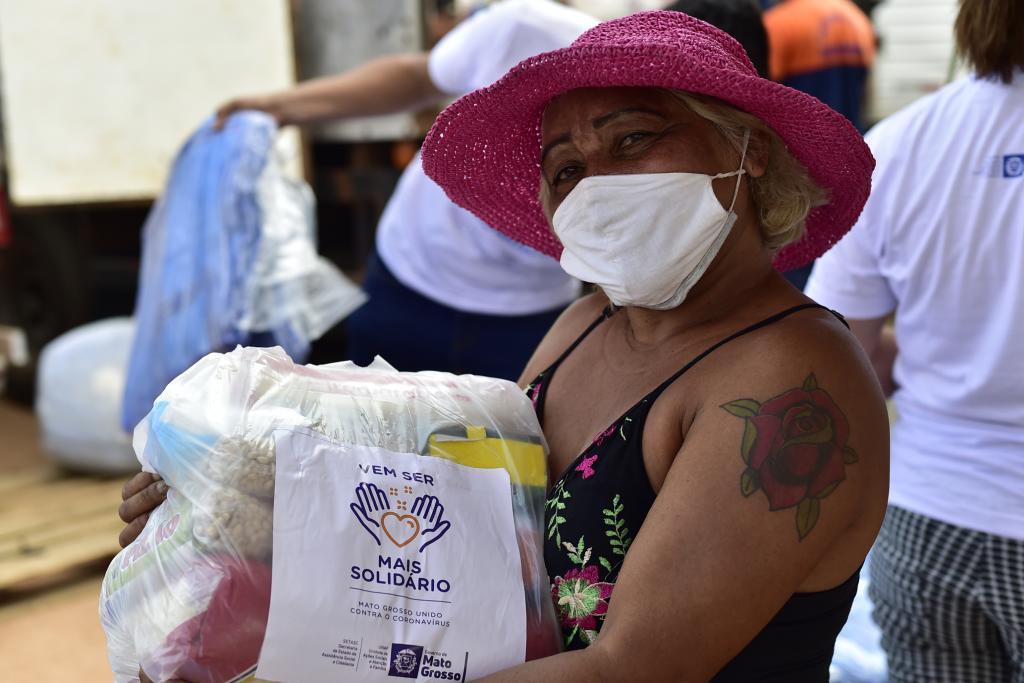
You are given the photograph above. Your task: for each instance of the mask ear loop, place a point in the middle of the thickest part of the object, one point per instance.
(738, 172)
(726, 224)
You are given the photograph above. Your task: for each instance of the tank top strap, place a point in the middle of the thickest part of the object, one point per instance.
(538, 389)
(605, 314)
(839, 316)
(770, 320)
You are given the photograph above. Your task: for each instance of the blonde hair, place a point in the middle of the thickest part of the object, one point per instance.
(783, 195)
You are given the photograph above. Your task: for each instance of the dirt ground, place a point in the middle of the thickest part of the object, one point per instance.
(49, 630)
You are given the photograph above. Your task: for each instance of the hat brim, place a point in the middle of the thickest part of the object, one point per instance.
(484, 149)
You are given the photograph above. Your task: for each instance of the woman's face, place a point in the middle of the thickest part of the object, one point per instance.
(606, 131)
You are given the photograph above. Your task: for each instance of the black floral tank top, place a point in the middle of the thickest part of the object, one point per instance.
(598, 504)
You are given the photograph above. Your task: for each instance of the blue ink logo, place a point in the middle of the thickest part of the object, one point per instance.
(425, 522)
(405, 660)
(1013, 165)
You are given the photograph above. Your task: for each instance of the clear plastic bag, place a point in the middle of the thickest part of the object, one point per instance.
(190, 596)
(292, 291)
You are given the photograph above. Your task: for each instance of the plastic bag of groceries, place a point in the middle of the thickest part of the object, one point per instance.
(384, 563)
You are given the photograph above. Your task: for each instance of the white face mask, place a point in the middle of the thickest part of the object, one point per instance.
(645, 238)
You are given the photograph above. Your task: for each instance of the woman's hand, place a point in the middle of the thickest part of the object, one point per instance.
(140, 496)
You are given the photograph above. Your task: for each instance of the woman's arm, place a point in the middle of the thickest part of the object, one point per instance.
(382, 86)
(779, 486)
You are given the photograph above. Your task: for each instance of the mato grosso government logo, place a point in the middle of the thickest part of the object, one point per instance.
(405, 660)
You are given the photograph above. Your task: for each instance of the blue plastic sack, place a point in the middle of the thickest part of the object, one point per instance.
(229, 258)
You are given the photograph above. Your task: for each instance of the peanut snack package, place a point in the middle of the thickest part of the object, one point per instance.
(333, 523)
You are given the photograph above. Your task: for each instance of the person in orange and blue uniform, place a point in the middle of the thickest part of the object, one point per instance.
(825, 49)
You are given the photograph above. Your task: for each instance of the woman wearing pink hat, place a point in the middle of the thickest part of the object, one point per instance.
(719, 445)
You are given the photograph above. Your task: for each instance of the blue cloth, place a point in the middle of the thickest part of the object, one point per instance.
(840, 87)
(798, 276)
(413, 333)
(200, 242)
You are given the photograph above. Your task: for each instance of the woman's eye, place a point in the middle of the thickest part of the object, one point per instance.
(565, 173)
(632, 139)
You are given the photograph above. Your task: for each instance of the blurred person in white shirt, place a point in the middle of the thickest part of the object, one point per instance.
(941, 245)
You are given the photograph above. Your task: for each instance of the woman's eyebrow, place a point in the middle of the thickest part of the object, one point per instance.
(605, 119)
(599, 122)
(554, 143)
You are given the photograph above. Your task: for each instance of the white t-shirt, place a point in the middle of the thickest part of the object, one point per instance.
(442, 251)
(941, 243)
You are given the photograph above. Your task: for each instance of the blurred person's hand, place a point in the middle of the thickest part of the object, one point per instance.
(140, 495)
(275, 105)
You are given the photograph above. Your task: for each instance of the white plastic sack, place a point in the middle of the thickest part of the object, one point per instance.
(190, 597)
(78, 398)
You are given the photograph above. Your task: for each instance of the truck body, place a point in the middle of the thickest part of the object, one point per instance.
(97, 98)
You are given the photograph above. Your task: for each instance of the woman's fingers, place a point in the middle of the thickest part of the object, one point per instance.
(140, 494)
(137, 483)
(132, 531)
(143, 501)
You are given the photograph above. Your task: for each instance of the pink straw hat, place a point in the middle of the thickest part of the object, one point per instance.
(484, 149)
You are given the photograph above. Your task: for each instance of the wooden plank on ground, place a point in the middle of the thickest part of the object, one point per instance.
(51, 522)
(15, 481)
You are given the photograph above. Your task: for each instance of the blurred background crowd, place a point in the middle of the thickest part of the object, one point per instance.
(92, 122)
(98, 98)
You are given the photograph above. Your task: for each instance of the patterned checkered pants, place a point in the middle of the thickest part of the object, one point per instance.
(949, 601)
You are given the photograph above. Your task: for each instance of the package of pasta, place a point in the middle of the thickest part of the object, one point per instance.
(331, 523)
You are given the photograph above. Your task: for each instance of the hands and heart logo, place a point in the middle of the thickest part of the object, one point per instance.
(424, 522)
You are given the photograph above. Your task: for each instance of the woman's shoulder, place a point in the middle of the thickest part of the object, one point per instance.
(785, 438)
(806, 359)
(811, 336)
(815, 341)
(570, 325)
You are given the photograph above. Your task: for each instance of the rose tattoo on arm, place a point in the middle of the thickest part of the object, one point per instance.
(795, 448)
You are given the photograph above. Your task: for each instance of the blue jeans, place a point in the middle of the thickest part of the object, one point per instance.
(415, 333)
